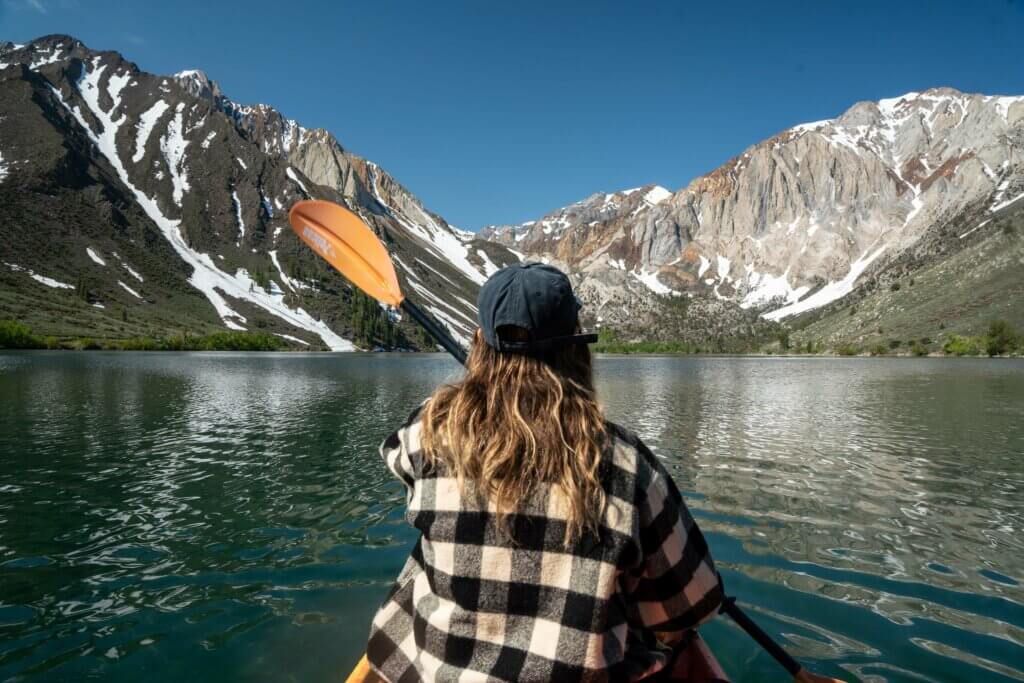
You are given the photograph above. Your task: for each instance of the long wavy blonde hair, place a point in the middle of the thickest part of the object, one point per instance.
(516, 421)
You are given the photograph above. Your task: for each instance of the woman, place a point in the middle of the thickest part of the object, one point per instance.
(554, 546)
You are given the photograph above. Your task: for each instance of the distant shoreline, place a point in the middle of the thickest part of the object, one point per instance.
(615, 354)
(1001, 342)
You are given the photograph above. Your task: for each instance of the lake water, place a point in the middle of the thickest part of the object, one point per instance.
(187, 517)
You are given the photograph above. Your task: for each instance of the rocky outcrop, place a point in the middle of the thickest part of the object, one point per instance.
(793, 222)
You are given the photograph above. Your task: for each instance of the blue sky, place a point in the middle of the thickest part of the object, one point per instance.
(499, 112)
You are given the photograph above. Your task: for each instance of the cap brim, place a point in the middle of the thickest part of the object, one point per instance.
(541, 345)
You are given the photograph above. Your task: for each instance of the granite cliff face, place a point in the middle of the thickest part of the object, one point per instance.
(137, 204)
(796, 221)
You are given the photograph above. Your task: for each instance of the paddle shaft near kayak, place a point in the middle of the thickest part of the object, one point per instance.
(342, 239)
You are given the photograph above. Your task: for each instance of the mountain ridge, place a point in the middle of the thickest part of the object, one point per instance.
(134, 168)
(214, 179)
(795, 221)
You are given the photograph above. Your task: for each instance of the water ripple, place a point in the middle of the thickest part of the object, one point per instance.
(224, 515)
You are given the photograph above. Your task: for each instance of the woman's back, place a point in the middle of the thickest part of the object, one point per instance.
(554, 546)
(483, 599)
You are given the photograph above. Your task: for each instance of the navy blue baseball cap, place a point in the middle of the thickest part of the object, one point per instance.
(536, 297)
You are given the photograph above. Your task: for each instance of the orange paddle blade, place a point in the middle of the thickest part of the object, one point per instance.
(342, 239)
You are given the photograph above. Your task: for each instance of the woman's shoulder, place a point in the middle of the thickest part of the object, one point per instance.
(408, 432)
(629, 455)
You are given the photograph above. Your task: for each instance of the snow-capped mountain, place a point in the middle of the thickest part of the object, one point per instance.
(133, 204)
(162, 205)
(795, 221)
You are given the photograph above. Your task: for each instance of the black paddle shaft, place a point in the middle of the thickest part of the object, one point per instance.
(435, 330)
(729, 605)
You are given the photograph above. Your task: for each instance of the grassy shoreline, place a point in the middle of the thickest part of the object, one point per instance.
(1000, 341)
(15, 335)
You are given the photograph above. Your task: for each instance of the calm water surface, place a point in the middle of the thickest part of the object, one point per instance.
(173, 517)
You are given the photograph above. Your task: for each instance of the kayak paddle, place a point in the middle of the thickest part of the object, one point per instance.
(342, 239)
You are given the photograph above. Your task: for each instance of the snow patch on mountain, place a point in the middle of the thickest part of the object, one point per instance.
(705, 263)
(238, 217)
(41, 279)
(1004, 204)
(830, 292)
(290, 172)
(132, 272)
(764, 288)
(292, 339)
(657, 195)
(147, 120)
(95, 257)
(408, 271)
(1003, 103)
(447, 317)
(288, 282)
(173, 144)
(129, 290)
(650, 279)
(48, 56)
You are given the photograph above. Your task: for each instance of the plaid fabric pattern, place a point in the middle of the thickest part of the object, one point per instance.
(470, 606)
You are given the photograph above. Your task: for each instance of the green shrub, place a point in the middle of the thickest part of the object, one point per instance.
(918, 349)
(644, 347)
(894, 343)
(14, 335)
(239, 341)
(879, 350)
(216, 341)
(1001, 338)
(371, 326)
(142, 344)
(962, 346)
(847, 350)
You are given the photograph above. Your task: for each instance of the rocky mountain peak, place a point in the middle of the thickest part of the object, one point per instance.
(199, 85)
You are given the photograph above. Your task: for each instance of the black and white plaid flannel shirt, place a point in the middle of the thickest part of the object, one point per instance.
(471, 606)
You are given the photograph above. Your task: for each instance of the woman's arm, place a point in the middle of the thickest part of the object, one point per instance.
(678, 588)
(401, 450)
